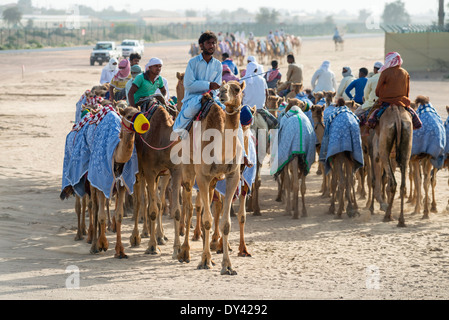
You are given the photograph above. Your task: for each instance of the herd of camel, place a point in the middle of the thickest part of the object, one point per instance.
(266, 51)
(159, 176)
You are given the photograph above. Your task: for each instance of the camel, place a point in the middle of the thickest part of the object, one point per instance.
(339, 43)
(180, 89)
(261, 50)
(427, 154)
(122, 154)
(394, 130)
(298, 167)
(154, 149)
(217, 204)
(296, 43)
(228, 166)
(194, 50)
(272, 104)
(251, 47)
(343, 164)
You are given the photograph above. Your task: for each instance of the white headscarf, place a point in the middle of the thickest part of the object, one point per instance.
(111, 65)
(152, 62)
(325, 65)
(250, 72)
(259, 66)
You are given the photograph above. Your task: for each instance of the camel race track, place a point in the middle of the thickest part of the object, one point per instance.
(316, 257)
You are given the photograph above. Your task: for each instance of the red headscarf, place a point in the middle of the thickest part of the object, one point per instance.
(392, 59)
(123, 69)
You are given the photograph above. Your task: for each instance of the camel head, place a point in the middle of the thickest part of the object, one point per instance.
(292, 102)
(447, 109)
(317, 112)
(329, 96)
(133, 120)
(272, 92)
(421, 100)
(273, 102)
(296, 87)
(318, 96)
(234, 92)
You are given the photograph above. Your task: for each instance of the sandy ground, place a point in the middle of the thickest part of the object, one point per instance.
(317, 257)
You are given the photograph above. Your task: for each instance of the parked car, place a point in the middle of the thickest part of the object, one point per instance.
(103, 52)
(130, 46)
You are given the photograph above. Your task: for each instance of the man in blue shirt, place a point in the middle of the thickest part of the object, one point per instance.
(203, 73)
(359, 86)
(227, 61)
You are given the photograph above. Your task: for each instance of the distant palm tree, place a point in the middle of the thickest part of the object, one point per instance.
(12, 16)
(441, 13)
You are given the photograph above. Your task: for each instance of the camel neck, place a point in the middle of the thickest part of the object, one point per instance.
(125, 147)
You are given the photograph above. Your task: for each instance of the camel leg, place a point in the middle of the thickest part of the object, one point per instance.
(217, 206)
(427, 168)
(411, 178)
(377, 174)
(94, 221)
(204, 185)
(91, 229)
(418, 185)
(341, 184)
(79, 232)
(182, 221)
(351, 208)
(175, 207)
(333, 187)
(295, 186)
(163, 183)
(153, 212)
(288, 191)
(386, 140)
(198, 210)
(138, 209)
(111, 223)
(280, 183)
(243, 250)
(188, 179)
(119, 213)
(255, 196)
(433, 182)
(303, 193)
(101, 242)
(84, 206)
(232, 181)
(145, 214)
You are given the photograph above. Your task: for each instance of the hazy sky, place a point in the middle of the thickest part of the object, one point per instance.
(335, 6)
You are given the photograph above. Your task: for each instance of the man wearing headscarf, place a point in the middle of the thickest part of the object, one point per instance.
(256, 90)
(324, 79)
(146, 84)
(135, 71)
(109, 71)
(393, 86)
(118, 82)
(347, 79)
(227, 74)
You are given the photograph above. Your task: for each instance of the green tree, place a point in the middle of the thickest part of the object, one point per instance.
(395, 13)
(266, 16)
(12, 16)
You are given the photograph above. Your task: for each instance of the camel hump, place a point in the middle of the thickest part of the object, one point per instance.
(421, 99)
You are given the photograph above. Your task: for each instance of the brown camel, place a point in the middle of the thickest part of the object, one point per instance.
(318, 122)
(122, 154)
(295, 88)
(228, 165)
(394, 130)
(154, 150)
(179, 89)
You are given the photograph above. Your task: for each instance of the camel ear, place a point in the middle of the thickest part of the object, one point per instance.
(223, 83)
(447, 109)
(178, 75)
(253, 110)
(243, 85)
(121, 111)
(333, 94)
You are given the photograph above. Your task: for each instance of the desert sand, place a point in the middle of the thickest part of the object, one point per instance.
(317, 257)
